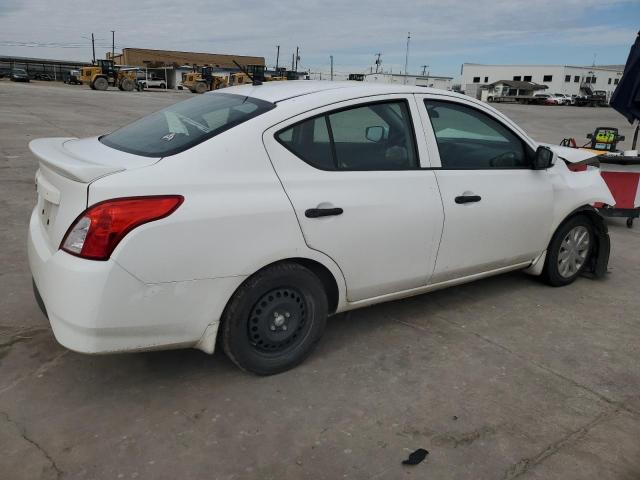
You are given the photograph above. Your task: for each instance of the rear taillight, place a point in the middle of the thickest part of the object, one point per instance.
(99, 229)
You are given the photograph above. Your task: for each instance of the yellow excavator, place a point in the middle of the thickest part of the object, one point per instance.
(105, 73)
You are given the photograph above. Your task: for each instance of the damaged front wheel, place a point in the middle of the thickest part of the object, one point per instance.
(569, 251)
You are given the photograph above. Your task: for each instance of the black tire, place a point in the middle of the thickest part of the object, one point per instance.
(255, 334)
(630, 222)
(127, 85)
(101, 83)
(163, 86)
(551, 273)
(200, 87)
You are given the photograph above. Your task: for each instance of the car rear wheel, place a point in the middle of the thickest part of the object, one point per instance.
(275, 319)
(569, 251)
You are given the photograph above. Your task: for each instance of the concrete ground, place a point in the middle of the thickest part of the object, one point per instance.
(500, 379)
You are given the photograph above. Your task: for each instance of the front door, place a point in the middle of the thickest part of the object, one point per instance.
(354, 177)
(498, 210)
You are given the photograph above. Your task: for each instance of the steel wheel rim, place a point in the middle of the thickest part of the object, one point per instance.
(573, 251)
(277, 321)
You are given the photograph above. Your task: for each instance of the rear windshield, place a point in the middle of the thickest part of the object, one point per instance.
(185, 124)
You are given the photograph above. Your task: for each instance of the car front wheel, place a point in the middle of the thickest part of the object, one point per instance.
(569, 252)
(274, 320)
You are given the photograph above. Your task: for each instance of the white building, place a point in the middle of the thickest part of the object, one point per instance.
(566, 79)
(444, 83)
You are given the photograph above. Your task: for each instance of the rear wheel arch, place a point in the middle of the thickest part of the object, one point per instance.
(324, 274)
(326, 277)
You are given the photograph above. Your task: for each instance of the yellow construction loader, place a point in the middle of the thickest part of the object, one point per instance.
(202, 80)
(105, 73)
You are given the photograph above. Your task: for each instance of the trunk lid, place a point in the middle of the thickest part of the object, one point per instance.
(67, 168)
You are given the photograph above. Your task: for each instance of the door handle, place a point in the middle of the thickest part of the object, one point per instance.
(322, 212)
(468, 199)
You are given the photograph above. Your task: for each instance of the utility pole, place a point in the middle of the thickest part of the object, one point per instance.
(277, 57)
(113, 44)
(93, 47)
(424, 69)
(331, 57)
(378, 62)
(406, 59)
(297, 58)
(293, 60)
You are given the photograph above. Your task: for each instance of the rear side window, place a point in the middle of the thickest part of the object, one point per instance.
(470, 139)
(376, 136)
(185, 124)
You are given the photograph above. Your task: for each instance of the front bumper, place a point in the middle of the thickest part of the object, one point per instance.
(99, 307)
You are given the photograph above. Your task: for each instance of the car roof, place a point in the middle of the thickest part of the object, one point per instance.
(280, 91)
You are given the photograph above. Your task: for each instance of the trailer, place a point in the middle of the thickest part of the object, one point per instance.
(620, 171)
(521, 99)
(596, 98)
(622, 175)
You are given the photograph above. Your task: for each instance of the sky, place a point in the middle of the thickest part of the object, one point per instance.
(444, 34)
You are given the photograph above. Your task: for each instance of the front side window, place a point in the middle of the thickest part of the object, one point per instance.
(185, 124)
(469, 139)
(376, 136)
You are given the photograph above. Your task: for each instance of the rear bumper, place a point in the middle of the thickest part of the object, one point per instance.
(99, 307)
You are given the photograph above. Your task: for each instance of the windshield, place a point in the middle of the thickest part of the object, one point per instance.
(185, 124)
(20, 71)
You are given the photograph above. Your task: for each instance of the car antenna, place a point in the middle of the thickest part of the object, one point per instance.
(246, 72)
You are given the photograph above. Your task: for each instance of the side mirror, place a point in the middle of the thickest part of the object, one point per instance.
(544, 158)
(375, 134)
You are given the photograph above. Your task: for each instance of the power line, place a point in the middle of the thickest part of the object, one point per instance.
(37, 45)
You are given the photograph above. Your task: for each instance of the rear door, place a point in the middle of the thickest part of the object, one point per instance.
(354, 175)
(498, 210)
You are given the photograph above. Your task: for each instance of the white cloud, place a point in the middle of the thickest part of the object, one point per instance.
(351, 31)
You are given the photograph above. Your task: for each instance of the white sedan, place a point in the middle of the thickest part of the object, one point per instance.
(248, 215)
